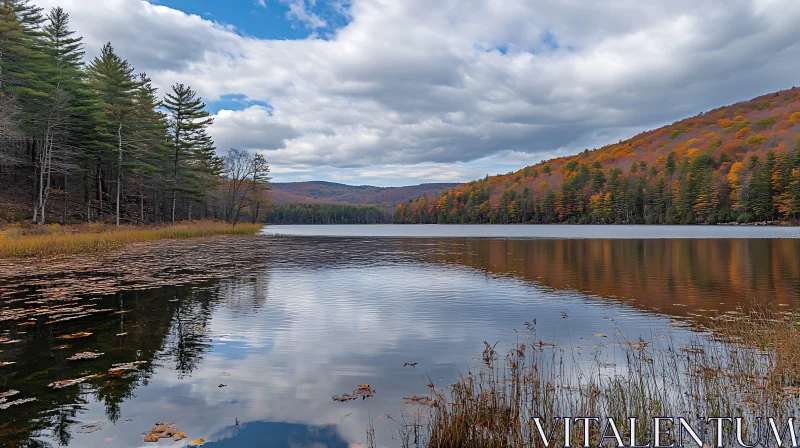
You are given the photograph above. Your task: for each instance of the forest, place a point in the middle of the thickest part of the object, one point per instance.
(735, 164)
(86, 142)
(326, 214)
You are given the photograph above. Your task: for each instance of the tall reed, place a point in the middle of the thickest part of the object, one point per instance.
(747, 366)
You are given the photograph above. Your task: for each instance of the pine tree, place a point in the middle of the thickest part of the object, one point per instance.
(194, 161)
(111, 77)
(150, 152)
(64, 106)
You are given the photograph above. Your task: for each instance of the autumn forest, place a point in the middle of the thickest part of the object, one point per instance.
(734, 164)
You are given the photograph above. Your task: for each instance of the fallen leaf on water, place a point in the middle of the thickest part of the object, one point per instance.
(364, 391)
(122, 334)
(411, 364)
(95, 426)
(15, 402)
(8, 393)
(344, 398)
(197, 442)
(3, 364)
(119, 369)
(600, 335)
(84, 355)
(82, 334)
(164, 431)
(61, 347)
(32, 322)
(223, 385)
(109, 439)
(423, 401)
(66, 383)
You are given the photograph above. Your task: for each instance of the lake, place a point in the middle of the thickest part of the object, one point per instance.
(253, 359)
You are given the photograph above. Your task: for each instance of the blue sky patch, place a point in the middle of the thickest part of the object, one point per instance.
(236, 102)
(270, 21)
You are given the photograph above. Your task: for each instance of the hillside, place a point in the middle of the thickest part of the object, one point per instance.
(333, 193)
(736, 163)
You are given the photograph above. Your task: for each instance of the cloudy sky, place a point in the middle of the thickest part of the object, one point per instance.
(397, 92)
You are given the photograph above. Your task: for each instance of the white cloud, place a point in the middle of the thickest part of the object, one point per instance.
(456, 84)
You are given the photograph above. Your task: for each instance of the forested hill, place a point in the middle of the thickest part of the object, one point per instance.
(334, 193)
(736, 163)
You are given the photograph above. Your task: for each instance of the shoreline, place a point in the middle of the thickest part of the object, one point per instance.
(17, 242)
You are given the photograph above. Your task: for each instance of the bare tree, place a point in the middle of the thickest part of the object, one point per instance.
(245, 177)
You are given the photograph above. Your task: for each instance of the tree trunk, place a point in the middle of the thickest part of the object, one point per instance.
(64, 219)
(119, 168)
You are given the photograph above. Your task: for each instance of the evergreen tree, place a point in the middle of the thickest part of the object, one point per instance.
(193, 158)
(111, 77)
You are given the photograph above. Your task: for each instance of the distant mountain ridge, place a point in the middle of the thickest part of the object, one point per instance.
(314, 192)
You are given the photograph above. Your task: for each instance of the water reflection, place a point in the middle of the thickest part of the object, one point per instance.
(278, 435)
(328, 314)
(676, 276)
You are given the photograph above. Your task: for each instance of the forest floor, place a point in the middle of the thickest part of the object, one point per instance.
(19, 241)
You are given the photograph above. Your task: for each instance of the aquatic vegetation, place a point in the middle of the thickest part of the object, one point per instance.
(747, 366)
(56, 240)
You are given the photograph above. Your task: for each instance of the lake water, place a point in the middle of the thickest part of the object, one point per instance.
(337, 306)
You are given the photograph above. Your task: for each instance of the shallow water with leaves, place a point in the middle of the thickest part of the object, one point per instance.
(243, 341)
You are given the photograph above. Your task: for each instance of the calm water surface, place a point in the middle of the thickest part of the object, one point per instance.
(339, 306)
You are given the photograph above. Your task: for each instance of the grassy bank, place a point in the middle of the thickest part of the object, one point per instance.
(41, 241)
(748, 366)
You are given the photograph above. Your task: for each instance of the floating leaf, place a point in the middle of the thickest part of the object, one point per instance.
(423, 401)
(119, 369)
(84, 355)
(3, 364)
(197, 442)
(66, 383)
(82, 334)
(8, 393)
(95, 426)
(15, 402)
(600, 335)
(364, 391)
(164, 431)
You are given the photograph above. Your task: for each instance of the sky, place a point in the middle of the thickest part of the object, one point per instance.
(390, 93)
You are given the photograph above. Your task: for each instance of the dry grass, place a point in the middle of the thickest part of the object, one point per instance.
(42, 241)
(747, 366)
